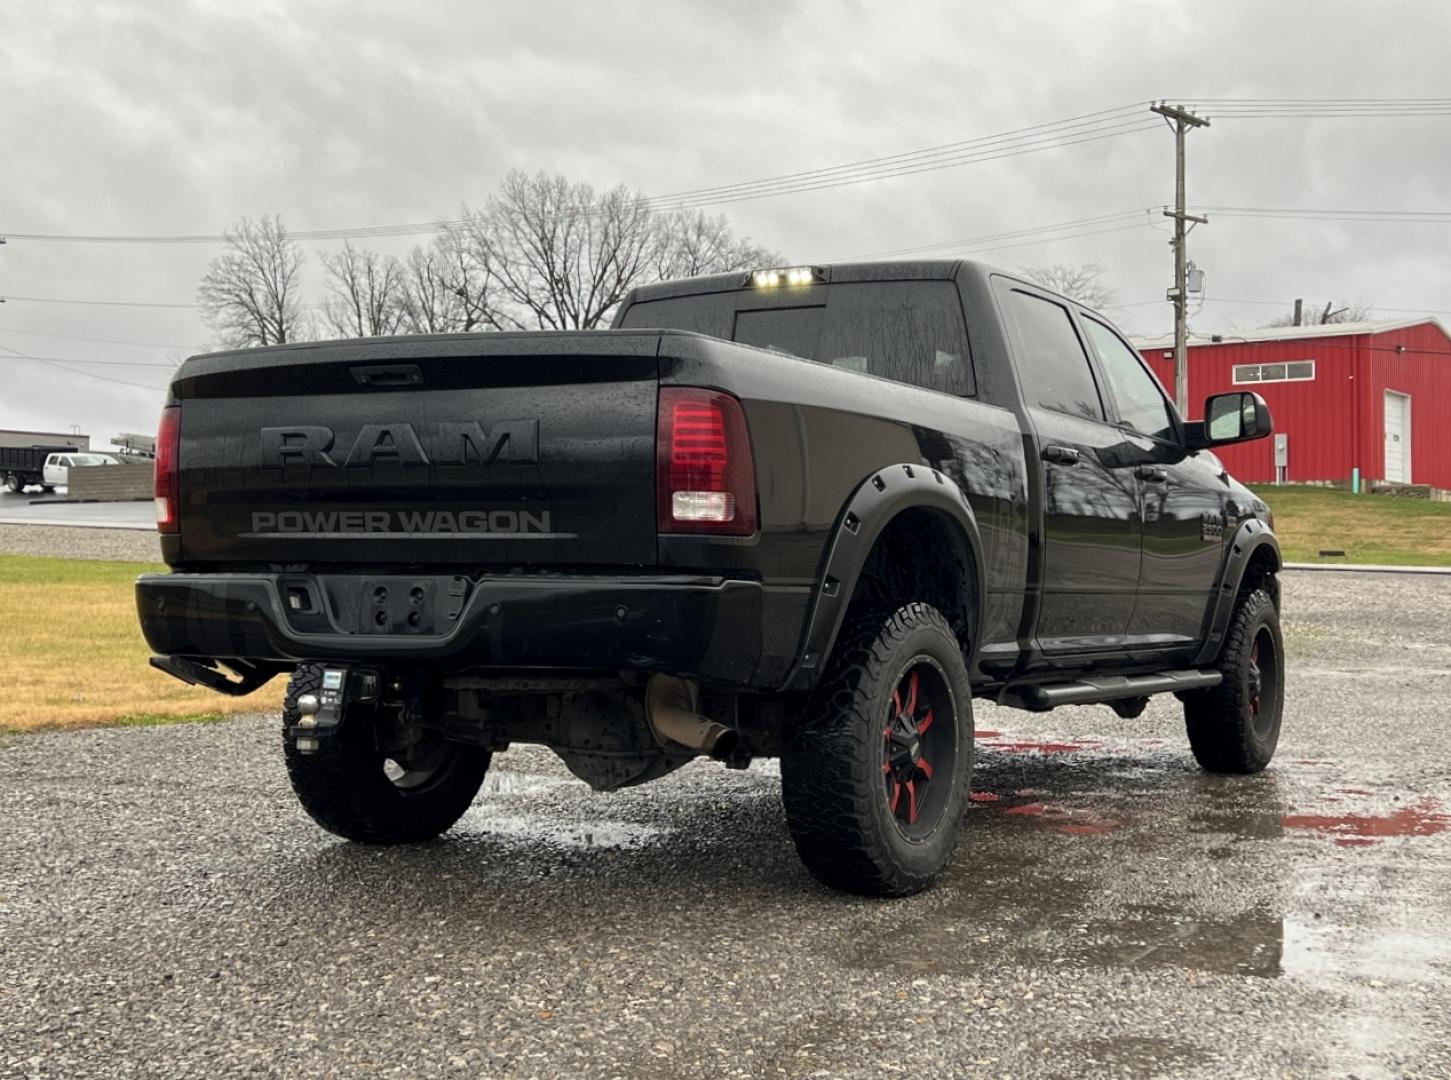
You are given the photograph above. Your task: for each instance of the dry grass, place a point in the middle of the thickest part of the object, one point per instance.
(73, 656)
(1368, 528)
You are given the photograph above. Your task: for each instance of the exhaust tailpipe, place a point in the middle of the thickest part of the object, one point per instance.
(670, 711)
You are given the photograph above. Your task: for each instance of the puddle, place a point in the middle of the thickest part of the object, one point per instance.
(593, 835)
(500, 782)
(1319, 950)
(1002, 744)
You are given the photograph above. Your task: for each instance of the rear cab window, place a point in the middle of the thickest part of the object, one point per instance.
(907, 331)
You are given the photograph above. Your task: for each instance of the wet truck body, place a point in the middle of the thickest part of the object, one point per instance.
(654, 542)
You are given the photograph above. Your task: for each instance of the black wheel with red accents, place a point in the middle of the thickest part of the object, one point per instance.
(877, 777)
(1234, 727)
(917, 747)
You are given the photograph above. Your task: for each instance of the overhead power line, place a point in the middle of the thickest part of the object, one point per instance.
(1071, 131)
(1308, 214)
(18, 355)
(102, 341)
(95, 303)
(1031, 235)
(1088, 127)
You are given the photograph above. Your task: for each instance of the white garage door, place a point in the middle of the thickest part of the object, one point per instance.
(1398, 438)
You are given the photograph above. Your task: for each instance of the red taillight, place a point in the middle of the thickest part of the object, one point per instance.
(168, 445)
(705, 481)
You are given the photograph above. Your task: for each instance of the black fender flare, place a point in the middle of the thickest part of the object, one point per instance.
(1252, 536)
(872, 506)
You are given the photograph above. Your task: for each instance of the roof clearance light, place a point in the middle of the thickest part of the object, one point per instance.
(794, 275)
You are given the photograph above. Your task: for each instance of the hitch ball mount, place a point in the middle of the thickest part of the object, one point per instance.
(321, 714)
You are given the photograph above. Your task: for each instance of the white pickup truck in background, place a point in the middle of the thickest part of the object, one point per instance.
(56, 472)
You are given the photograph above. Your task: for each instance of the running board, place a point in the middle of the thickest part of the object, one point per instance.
(1046, 696)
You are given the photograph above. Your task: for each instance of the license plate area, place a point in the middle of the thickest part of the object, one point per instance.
(400, 605)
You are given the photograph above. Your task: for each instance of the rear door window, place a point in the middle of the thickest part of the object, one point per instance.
(1051, 361)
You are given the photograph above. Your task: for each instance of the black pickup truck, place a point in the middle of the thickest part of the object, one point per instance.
(810, 513)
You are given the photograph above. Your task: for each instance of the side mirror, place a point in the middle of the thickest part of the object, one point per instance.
(1230, 418)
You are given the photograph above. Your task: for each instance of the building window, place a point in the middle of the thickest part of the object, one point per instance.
(1292, 371)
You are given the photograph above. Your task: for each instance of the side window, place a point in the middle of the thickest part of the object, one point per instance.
(1054, 367)
(1141, 402)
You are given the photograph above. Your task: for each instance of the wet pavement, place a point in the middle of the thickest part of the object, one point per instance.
(31, 508)
(166, 910)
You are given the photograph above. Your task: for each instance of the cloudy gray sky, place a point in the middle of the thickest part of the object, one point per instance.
(158, 117)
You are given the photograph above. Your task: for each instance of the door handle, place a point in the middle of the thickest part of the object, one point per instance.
(387, 375)
(1153, 473)
(1062, 455)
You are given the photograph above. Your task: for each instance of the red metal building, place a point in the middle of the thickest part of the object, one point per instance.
(1372, 395)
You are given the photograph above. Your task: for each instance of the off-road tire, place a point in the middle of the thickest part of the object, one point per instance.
(832, 767)
(344, 788)
(1228, 731)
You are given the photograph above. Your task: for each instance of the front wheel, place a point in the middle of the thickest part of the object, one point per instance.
(1234, 727)
(363, 783)
(876, 780)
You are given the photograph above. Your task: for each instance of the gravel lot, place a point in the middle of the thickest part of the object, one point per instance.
(166, 910)
(66, 542)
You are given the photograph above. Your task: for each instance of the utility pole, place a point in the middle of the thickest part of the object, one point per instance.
(1181, 120)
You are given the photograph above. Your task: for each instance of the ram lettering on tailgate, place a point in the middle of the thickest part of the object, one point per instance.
(444, 443)
(451, 442)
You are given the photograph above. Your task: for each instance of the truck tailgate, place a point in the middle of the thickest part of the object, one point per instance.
(536, 449)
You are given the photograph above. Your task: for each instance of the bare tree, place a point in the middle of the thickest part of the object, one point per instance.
(1332, 311)
(250, 293)
(692, 243)
(366, 293)
(564, 255)
(1083, 283)
(449, 287)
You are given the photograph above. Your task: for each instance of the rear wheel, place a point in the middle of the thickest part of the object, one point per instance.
(1234, 727)
(876, 780)
(13, 484)
(366, 783)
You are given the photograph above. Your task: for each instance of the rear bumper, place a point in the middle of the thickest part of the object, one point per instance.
(702, 627)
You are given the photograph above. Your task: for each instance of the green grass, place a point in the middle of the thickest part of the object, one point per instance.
(73, 654)
(1368, 528)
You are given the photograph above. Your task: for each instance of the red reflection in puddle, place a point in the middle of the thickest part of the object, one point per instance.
(1424, 818)
(1061, 819)
(1027, 746)
(989, 734)
(1083, 828)
(985, 796)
